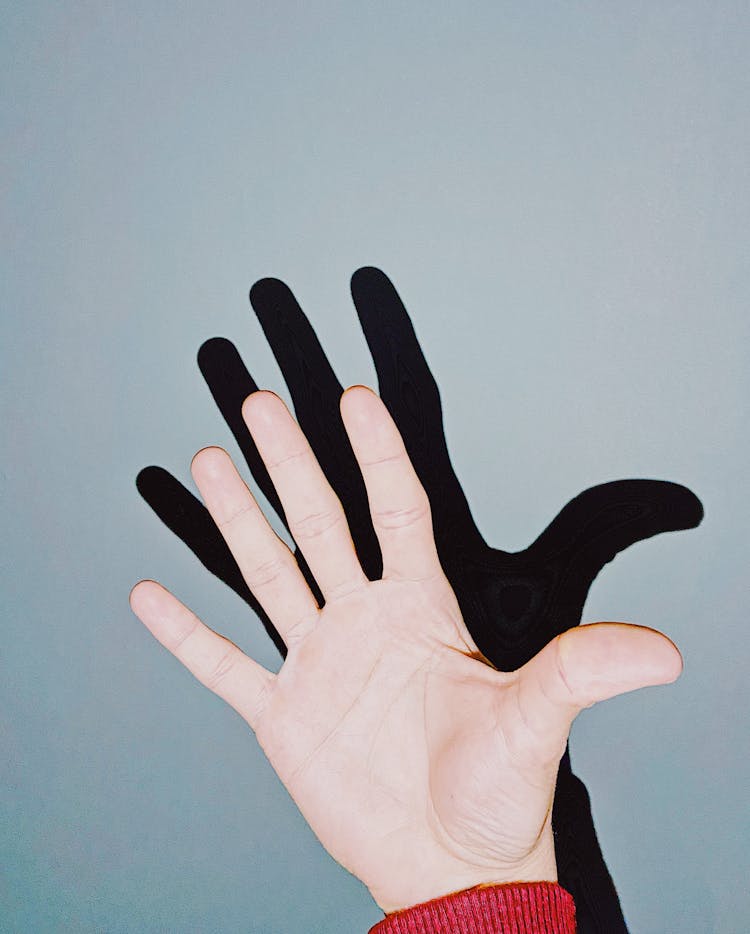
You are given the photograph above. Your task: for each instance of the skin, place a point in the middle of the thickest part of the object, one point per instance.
(421, 768)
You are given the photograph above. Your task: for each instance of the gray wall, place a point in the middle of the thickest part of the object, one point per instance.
(560, 193)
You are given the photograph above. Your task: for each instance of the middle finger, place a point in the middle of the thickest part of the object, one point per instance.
(314, 513)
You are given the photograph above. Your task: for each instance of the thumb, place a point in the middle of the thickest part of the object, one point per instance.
(585, 665)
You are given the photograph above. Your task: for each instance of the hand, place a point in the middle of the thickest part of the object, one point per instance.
(421, 768)
(513, 604)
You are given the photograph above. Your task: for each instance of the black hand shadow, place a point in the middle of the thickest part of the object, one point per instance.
(513, 603)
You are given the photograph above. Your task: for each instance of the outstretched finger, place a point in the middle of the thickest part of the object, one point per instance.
(315, 516)
(267, 564)
(214, 660)
(399, 506)
(579, 668)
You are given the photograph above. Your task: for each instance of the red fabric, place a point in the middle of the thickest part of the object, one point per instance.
(514, 908)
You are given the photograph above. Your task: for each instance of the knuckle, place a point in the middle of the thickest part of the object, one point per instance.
(401, 518)
(299, 630)
(287, 458)
(240, 513)
(221, 668)
(571, 693)
(178, 647)
(576, 693)
(315, 524)
(259, 706)
(343, 589)
(386, 459)
(267, 572)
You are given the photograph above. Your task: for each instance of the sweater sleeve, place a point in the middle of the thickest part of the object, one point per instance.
(514, 908)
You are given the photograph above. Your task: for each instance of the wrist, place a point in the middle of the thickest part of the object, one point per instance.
(415, 888)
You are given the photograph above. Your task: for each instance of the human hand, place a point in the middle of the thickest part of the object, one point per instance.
(513, 604)
(421, 768)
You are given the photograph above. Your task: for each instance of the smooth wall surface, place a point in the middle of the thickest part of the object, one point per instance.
(560, 193)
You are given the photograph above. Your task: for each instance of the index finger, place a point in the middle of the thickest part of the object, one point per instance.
(399, 505)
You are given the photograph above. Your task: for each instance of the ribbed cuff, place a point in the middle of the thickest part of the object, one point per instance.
(513, 908)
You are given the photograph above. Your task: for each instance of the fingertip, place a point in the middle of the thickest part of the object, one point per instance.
(132, 593)
(355, 386)
(142, 593)
(672, 660)
(360, 407)
(208, 461)
(678, 663)
(256, 406)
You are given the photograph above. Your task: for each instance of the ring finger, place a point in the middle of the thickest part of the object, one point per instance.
(267, 565)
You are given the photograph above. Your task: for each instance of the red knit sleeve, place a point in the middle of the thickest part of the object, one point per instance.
(514, 908)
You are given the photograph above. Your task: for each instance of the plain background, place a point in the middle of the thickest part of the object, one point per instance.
(560, 193)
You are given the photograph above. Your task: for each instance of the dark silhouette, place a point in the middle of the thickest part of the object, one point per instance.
(513, 603)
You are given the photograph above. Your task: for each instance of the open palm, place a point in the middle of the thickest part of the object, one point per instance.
(421, 768)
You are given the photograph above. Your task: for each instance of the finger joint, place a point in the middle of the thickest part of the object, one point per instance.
(315, 525)
(394, 519)
(221, 668)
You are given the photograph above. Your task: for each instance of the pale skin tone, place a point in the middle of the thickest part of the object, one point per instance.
(421, 768)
